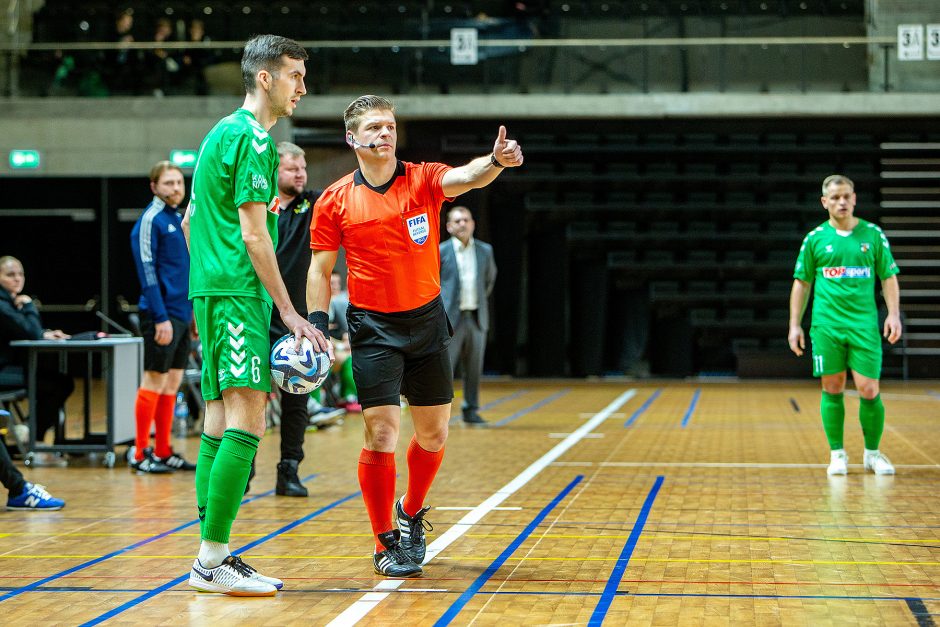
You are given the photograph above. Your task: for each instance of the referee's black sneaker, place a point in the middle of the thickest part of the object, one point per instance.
(393, 561)
(412, 529)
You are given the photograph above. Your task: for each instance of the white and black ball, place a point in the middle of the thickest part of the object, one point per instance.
(298, 373)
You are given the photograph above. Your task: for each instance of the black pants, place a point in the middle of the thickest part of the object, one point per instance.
(52, 390)
(293, 425)
(10, 477)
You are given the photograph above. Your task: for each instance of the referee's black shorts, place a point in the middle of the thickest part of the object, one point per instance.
(173, 356)
(401, 353)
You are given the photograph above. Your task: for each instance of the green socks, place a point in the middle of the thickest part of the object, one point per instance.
(347, 384)
(871, 413)
(832, 410)
(227, 481)
(208, 449)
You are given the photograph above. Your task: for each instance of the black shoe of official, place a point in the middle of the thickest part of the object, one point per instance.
(393, 561)
(473, 418)
(412, 528)
(288, 483)
(149, 465)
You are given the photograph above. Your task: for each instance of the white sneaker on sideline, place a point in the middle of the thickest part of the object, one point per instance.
(231, 577)
(878, 463)
(838, 463)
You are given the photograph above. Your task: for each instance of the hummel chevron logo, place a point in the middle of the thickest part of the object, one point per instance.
(236, 344)
(259, 148)
(237, 371)
(259, 134)
(237, 357)
(202, 512)
(236, 330)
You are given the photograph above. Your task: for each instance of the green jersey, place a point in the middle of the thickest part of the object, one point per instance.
(237, 164)
(844, 266)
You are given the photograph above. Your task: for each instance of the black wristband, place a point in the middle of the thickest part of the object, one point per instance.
(320, 321)
(494, 162)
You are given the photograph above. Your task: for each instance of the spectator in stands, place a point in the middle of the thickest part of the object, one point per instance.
(166, 315)
(468, 274)
(19, 320)
(843, 256)
(24, 496)
(162, 70)
(124, 64)
(195, 61)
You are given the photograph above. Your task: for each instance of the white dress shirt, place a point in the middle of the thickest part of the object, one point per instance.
(467, 270)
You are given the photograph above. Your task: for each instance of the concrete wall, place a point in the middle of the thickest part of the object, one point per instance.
(124, 137)
(882, 21)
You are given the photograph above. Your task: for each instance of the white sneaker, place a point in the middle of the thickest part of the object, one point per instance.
(277, 583)
(878, 463)
(232, 577)
(838, 463)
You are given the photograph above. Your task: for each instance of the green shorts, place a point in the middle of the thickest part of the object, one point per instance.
(235, 343)
(835, 350)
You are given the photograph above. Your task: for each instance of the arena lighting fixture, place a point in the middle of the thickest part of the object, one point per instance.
(24, 159)
(183, 158)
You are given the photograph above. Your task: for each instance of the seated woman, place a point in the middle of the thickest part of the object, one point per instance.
(19, 320)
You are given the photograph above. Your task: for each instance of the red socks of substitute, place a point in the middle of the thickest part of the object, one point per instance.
(377, 482)
(151, 407)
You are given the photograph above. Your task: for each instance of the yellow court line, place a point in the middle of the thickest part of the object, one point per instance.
(553, 536)
(518, 559)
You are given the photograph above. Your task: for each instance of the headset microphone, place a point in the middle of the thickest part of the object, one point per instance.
(352, 140)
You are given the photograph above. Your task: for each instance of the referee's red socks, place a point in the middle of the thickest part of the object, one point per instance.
(377, 482)
(144, 410)
(164, 419)
(422, 468)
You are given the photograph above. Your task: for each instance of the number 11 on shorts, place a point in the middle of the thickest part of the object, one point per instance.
(818, 363)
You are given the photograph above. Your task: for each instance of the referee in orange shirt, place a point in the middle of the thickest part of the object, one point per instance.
(387, 216)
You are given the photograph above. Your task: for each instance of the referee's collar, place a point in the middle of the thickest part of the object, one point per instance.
(359, 179)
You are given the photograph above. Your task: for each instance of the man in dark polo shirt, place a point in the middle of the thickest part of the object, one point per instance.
(387, 216)
(293, 259)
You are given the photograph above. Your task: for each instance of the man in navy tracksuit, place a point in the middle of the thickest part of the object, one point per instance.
(162, 261)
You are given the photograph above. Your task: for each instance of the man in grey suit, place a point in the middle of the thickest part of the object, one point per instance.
(468, 273)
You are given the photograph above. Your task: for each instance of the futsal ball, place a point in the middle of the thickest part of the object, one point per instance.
(298, 373)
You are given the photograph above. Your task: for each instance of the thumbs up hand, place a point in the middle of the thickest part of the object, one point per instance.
(507, 152)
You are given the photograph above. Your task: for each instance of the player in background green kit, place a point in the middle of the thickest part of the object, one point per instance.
(842, 256)
(231, 229)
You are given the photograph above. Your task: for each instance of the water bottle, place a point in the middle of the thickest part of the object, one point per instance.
(181, 416)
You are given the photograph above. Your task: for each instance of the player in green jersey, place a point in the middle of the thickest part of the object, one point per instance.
(231, 228)
(842, 257)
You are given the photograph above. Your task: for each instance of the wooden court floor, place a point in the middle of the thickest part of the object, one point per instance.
(653, 503)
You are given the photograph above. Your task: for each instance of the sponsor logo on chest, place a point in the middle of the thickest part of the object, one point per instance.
(418, 228)
(847, 272)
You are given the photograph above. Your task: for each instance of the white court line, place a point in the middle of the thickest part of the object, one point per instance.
(721, 465)
(558, 436)
(495, 509)
(358, 610)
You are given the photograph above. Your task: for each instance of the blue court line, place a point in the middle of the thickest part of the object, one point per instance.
(480, 581)
(688, 413)
(136, 545)
(714, 595)
(503, 399)
(163, 588)
(523, 412)
(621, 566)
(642, 408)
(494, 403)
